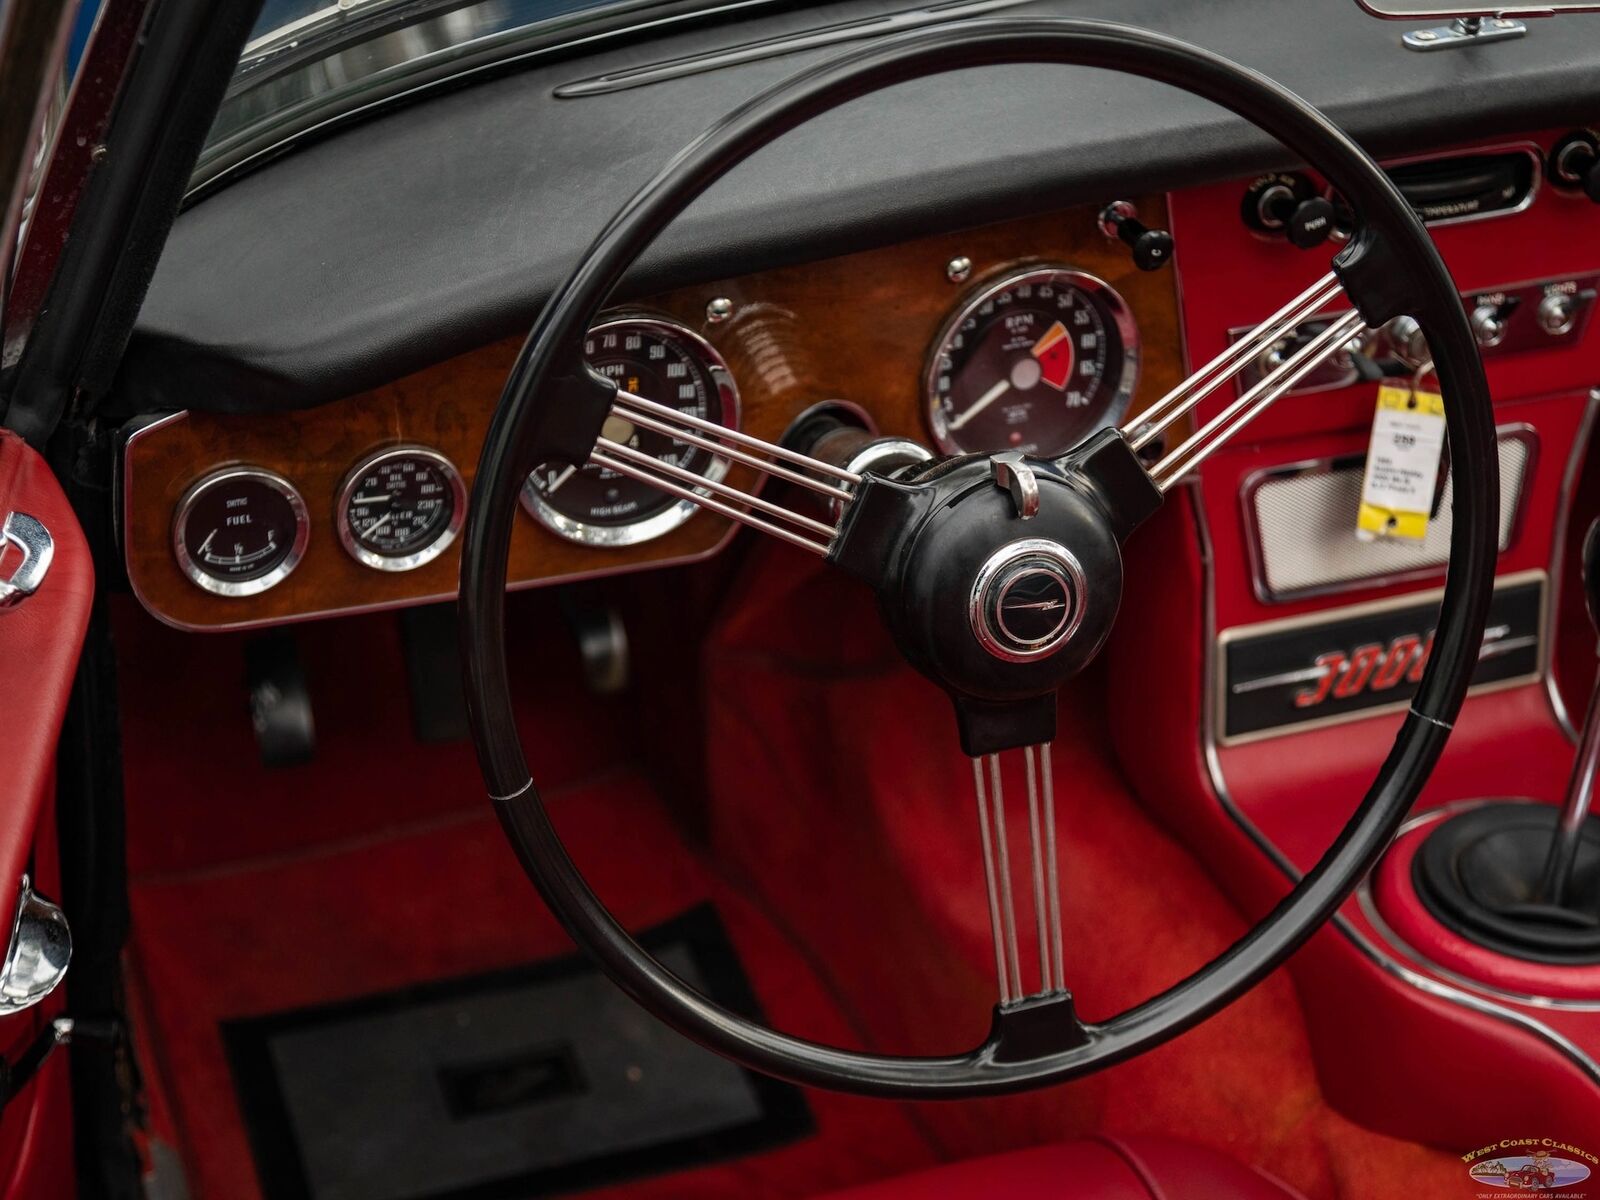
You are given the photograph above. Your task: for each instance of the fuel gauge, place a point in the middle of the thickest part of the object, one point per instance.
(240, 531)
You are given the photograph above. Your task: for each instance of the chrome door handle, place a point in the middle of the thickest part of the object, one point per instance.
(37, 548)
(38, 953)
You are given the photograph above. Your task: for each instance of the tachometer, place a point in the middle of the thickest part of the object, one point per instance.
(400, 508)
(240, 530)
(1035, 361)
(664, 362)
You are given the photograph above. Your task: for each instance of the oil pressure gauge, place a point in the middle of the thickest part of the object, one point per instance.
(400, 508)
(240, 531)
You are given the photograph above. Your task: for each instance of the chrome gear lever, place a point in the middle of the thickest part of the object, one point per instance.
(1580, 790)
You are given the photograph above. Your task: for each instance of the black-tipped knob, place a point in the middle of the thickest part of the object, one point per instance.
(1306, 223)
(1152, 248)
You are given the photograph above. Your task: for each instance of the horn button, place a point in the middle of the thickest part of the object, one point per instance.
(1026, 600)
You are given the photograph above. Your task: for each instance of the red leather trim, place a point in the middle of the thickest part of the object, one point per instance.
(39, 644)
(1099, 1168)
(1400, 906)
(36, 1137)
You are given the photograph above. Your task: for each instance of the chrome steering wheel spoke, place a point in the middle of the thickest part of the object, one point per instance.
(989, 790)
(1143, 430)
(719, 496)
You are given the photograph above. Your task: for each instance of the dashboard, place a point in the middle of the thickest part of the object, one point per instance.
(337, 379)
(1023, 335)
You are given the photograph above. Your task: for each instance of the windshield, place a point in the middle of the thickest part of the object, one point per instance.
(309, 60)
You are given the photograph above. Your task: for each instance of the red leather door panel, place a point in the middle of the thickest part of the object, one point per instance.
(40, 638)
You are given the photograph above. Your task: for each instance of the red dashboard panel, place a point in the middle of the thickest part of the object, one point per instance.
(1268, 803)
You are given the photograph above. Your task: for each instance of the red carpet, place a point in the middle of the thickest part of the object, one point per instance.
(257, 892)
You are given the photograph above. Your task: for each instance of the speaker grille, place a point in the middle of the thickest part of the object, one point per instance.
(1303, 525)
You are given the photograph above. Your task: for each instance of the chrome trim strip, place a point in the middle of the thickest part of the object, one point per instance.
(1383, 961)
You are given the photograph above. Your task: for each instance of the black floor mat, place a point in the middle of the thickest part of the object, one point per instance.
(527, 1082)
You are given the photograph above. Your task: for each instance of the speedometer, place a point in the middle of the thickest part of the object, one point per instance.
(1035, 361)
(661, 361)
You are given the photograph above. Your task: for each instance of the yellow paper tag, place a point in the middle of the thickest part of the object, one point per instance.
(1402, 464)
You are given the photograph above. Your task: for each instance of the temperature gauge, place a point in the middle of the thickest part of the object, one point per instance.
(400, 508)
(240, 531)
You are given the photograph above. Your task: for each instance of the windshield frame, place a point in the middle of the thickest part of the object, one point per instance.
(368, 87)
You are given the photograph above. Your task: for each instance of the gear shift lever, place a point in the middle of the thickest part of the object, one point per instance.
(1521, 878)
(1580, 791)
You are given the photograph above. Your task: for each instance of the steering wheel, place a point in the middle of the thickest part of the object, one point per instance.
(999, 576)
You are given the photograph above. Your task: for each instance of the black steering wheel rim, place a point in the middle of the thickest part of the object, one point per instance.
(1390, 267)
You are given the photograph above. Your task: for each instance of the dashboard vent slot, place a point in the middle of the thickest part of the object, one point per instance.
(1462, 187)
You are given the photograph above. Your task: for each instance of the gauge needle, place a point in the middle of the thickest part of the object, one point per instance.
(988, 398)
(559, 480)
(377, 525)
(205, 545)
(370, 499)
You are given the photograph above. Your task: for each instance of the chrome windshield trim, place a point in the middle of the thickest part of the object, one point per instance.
(791, 43)
(457, 52)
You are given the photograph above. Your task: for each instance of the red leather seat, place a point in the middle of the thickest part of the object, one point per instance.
(1098, 1168)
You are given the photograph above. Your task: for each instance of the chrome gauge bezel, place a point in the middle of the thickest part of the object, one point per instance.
(670, 518)
(1121, 316)
(402, 562)
(248, 587)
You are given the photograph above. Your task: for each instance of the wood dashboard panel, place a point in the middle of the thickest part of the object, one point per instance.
(854, 328)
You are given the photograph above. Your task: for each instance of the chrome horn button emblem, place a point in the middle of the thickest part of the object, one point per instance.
(1027, 600)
